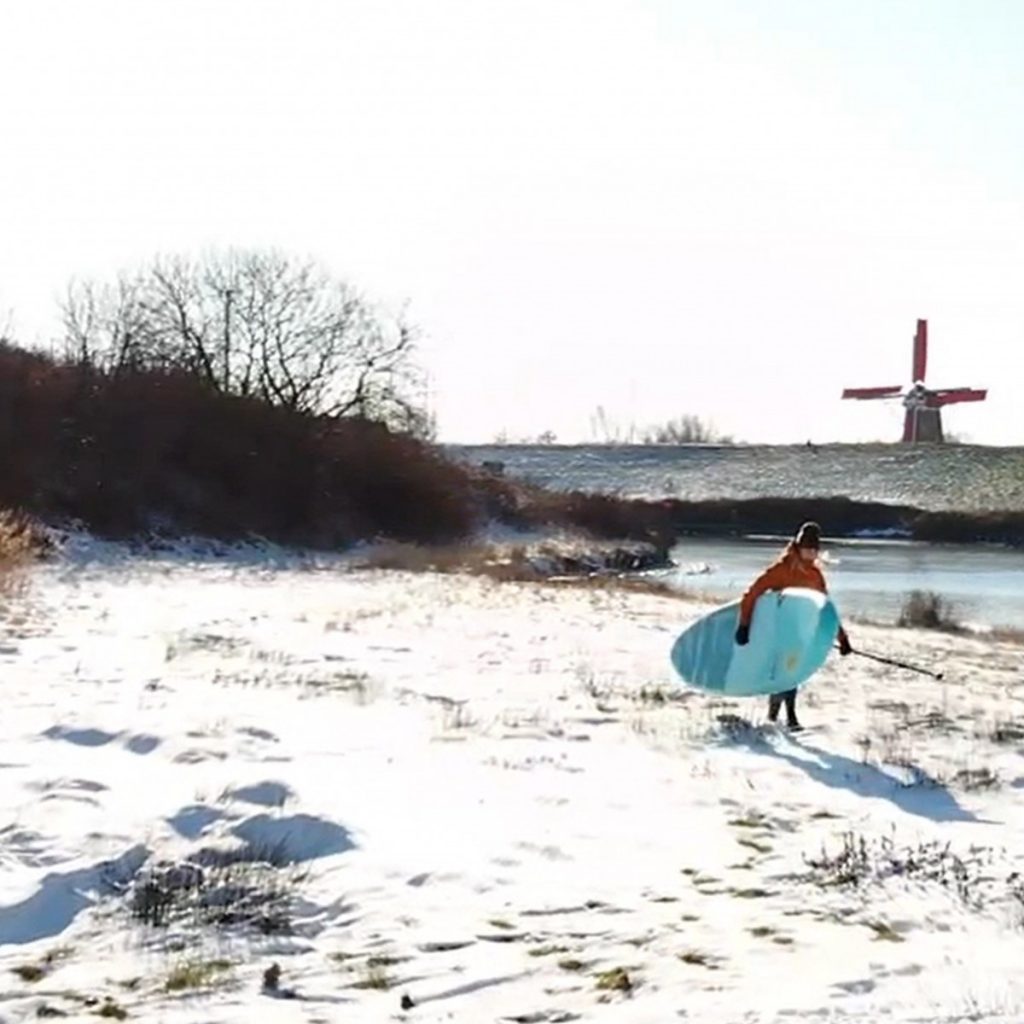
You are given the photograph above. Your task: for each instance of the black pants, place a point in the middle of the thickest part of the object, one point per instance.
(776, 700)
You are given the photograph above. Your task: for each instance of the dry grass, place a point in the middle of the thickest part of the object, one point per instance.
(195, 974)
(516, 564)
(1007, 635)
(479, 559)
(21, 541)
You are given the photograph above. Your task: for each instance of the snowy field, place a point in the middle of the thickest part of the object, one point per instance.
(437, 798)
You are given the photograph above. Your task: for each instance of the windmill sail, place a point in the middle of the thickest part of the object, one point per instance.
(872, 392)
(952, 396)
(920, 366)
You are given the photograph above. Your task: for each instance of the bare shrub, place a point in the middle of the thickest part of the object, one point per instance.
(859, 861)
(249, 889)
(687, 429)
(924, 609)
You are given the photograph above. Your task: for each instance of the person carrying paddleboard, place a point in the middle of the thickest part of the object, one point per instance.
(798, 566)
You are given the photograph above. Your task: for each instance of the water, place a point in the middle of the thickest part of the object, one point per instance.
(965, 477)
(985, 585)
(870, 579)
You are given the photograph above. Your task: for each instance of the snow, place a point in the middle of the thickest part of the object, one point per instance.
(485, 797)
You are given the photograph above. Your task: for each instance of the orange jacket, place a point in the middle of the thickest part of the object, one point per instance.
(789, 571)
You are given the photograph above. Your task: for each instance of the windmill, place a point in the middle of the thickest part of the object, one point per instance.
(923, 405)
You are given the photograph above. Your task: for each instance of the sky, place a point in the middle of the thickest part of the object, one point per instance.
(726, 208)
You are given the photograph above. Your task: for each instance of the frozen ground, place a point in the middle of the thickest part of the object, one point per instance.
(437, 798)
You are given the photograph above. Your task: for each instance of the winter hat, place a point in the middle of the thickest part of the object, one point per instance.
(808, 536)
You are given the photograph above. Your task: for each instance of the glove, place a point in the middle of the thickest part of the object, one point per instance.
(844, 645)
(742, 635)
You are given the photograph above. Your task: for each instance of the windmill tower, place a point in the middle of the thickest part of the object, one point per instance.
(923, 405)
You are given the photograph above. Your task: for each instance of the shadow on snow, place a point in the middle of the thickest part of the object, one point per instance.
(923, 795)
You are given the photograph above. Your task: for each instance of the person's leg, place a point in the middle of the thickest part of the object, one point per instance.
(790, 698)
(774, 703)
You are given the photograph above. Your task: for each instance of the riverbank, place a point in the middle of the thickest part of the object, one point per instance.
(610, 515)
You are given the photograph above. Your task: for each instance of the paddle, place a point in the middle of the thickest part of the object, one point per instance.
(898, 664)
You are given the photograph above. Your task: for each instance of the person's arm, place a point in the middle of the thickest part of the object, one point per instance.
(844, 642)
(842, 637)
(770, 579)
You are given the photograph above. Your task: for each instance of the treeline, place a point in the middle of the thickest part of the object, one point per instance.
(672, 518)
(158, 451)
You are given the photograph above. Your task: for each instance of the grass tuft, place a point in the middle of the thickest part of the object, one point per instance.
(195, 974)
(884, 932)
(696, 958)
(547, 950)
(29, 973)
(616, 979)
(112, 1010)
(376, 978)
(753, 844)
(572, 964)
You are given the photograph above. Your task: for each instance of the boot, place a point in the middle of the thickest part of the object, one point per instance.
(792, 723)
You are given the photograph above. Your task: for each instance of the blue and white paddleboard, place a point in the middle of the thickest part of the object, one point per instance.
(791, 634)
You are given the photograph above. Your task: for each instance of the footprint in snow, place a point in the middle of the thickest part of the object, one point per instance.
(295, 838)
(259, 734)
(80, 737)
(263, 794)
(83, 785)
(143, 744)
(543, 1017)
(190, 822)
(859, 987)
(197, 756)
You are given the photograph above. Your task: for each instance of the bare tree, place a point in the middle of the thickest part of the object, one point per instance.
(105, 326)
(257, 324)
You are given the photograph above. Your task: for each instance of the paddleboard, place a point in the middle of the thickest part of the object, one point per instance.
(791, 634)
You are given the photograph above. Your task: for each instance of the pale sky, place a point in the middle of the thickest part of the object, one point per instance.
(732, 208)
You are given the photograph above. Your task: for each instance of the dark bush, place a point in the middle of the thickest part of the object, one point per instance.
(142, 452)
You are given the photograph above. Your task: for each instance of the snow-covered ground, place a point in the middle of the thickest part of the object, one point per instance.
(490, 799)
